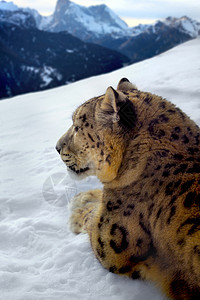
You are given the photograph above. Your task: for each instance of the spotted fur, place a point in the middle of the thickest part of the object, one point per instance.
(145, 223)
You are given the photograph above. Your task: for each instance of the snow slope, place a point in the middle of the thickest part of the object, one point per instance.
(39, 257)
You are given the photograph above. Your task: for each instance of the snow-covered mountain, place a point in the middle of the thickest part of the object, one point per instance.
(19, 18)
(38, 53)
(157, 38)
(24, 17)
(84, 21)
(145, 41)
(78, 20)
(185, 25)
(94, 22)
(39, 257)
(32, 59)
(98, 24)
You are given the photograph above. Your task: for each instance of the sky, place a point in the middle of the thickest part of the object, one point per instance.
(134, 12)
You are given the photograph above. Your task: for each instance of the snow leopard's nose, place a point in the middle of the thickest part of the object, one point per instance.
(58, 147)
(62, 142)
(65, 141)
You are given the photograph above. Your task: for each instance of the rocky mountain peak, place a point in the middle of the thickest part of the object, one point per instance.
(62, 4)
(84, 21)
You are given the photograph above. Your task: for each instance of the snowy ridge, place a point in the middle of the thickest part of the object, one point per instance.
(185, 24)
(39, 257)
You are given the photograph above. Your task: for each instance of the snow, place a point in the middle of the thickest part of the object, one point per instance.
(39, 257)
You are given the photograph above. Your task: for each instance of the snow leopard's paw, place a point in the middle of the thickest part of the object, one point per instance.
(83, 206)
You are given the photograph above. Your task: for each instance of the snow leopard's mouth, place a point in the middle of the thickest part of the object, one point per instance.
(73, 166)
(80, 171)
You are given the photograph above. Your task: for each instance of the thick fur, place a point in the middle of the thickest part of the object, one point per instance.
(145, 223)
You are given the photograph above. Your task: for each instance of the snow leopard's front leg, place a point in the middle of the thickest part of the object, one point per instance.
(84, 209)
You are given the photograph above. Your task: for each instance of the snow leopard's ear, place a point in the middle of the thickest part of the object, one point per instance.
(117, 108)
(125, 85)
(110, 101)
